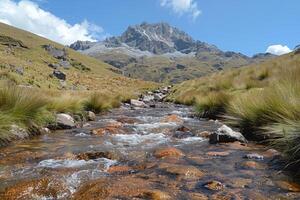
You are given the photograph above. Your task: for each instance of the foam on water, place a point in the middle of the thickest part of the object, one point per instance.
(137, 139)
(82, 135)
(192, 139)
(53, 163)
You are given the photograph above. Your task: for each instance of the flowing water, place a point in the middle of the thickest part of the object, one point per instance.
(141, 154)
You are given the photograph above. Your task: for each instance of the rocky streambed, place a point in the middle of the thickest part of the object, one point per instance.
(151, 150)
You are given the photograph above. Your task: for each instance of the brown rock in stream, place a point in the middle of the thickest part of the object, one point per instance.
(252, 165)
(214, 185)
(218, 153)
(112, 128)
(168, 152)
(172, 118)
(289, 186)
(96, 155)
(156, 195)
(44, 187)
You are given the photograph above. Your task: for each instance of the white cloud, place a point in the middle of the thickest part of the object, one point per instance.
(29, 16)
(181, 7)
(278, 49)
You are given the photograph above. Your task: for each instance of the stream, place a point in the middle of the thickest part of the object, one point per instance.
(146, 153)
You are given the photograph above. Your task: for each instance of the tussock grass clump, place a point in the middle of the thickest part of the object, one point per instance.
(21, 107)
(66, 103)
(287, 139)
(98, 102)
(212, 105)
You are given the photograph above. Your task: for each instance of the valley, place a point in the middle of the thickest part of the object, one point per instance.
(150, 113)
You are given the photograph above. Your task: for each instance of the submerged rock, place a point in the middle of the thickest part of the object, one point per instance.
(218, 153)
(168, 152)
(187, 172)
(214, 185)
(172, 118)
(95, 155)
(226, 134)
(155, 195)
(65, 121)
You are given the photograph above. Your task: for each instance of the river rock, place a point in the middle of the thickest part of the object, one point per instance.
(197, 196)
(204, 134)
(147, 98)
(252, 165)
(155, 195)
(45, 187)
(65, 121)
(226, 134)
(18, 132)
(113, 127)
(95, 155)
(218, 153)
(183, 129)
(185, 171)
(168, 152)
(214, 185)
(289, 186)
(172, 119)
(91, 116)
(137, 103)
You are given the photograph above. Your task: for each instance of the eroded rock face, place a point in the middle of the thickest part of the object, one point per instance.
(226, 134)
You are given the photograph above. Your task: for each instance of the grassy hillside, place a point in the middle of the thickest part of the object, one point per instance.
(262, 100)
(30, 94)
(161, 68)
(34, 60)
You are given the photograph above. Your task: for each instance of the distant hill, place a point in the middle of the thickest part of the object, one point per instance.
(162, 53)
(33, 61)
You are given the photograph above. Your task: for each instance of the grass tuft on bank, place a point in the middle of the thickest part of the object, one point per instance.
(262, 100)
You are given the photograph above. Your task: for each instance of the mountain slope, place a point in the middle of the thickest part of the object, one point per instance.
(162, 53)
(30, 60)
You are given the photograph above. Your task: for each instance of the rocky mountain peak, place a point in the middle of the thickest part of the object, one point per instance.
(82, 45)
(158, 38)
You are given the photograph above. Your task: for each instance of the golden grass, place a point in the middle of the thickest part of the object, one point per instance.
(255, 99)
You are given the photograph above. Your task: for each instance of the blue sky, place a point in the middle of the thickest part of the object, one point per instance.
(247, 26)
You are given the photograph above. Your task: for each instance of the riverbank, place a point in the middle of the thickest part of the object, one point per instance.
(25, 112)
(262, 101)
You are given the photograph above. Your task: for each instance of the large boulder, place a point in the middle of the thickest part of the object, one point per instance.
(65, 121)
(137, 103)
(226, 134)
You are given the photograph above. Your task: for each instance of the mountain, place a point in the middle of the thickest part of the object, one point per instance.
(32, 61)
(162, 53)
